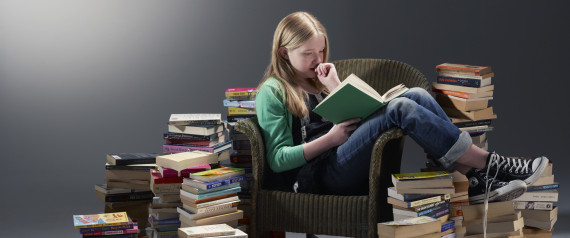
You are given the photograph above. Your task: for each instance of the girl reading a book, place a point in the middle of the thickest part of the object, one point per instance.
(310, 154)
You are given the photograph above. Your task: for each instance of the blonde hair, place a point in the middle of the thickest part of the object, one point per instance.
(294, 30)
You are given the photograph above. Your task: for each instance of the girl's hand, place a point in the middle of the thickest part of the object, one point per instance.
(339, 133)
(326, 72)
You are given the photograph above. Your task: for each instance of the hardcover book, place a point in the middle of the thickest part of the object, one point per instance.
(201, 130)
(354, 98)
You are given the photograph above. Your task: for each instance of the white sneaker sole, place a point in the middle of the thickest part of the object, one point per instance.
(513, 190)
(536, 175)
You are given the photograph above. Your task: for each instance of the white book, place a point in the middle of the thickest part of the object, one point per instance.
(210, 208)
(199, 118)
(541, 196)
(238, 234)
(193, 216)
(206, 231)
(186, 160)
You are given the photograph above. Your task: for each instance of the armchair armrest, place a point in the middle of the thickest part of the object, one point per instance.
(250, 128)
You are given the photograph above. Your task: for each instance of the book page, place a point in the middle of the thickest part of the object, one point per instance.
(394, 92)
(363, 86)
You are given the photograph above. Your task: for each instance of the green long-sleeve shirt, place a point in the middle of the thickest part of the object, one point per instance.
(276, 123)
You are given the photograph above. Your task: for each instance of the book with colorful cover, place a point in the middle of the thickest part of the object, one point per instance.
(100, 220)
(217, 174)
(130, 225)
(420, 175)
(133, 230)
(233, 190)
(244, 104)
(241, 94)
(209, 185)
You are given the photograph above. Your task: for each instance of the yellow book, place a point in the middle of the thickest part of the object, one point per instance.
(100, 220)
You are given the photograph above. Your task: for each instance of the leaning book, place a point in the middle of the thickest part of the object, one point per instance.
(354, 98)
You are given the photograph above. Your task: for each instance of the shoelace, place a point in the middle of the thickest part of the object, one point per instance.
(519, 166)
(488, 189)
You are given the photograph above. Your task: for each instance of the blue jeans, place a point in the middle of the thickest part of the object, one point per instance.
(419, 116)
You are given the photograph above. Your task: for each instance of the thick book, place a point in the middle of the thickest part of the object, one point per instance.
(214, 141)
(450, 73)
(135, 167)
(354, 98)
(241, 94)
(157, 178)
(545, 225)
(532, 205)
(427, 190)
(495, 209)
(217, 174)
(214, 184)
(463, 69)
(100, 220)
(465, 82)
(475, 115)
(125, 197)
(195, 119)
(222, 218)
(193, 216)
(114, 233)
(217, 148)
(213, 202)
(235, 118)
(435, 210)
(201, 130)
(468, 123)
(208, 209)
(131, 158)
(243, 104)
(206, 231)
(201, 191)
(191, 201)
(130, 225)
(507, 217)
(457, 88)
(496, 227)
(539, 196)
(541, 215)
(233, 111)
(411, 227)
(462, 103)
(184, 160)
(182, 137)
(185, 173)
(542, 187)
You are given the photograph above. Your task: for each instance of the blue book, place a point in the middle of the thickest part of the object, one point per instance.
(214, 184)
(465, 82)
(211, 194)
(542, 187)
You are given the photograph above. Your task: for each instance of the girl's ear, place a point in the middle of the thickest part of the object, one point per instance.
(283, 52)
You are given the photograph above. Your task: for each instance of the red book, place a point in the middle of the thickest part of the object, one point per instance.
(185, 173)
(133, 230)
(158, 179)
(464, 68)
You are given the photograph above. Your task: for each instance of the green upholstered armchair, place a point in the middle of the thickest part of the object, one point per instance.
(353, 216)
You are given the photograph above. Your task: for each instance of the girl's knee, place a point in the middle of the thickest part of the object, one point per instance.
(419, 92)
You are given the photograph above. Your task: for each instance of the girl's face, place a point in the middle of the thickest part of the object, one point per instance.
(307, 57)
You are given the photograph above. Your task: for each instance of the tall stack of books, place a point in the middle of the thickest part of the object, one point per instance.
(197, 131)
(166, 183)
(423, 194)
(241, 105)
(423, 226)
(538, 205)
(127, 185)
(106, 225)
(210, 197)
(464, 92)
(502, 220)
(218, 230)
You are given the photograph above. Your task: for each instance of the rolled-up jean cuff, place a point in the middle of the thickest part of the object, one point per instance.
(447, 162)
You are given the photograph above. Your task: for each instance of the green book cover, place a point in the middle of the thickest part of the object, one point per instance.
(354, 98)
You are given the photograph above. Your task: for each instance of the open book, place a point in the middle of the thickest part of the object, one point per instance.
(355, 98)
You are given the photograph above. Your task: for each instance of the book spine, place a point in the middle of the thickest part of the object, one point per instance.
(194, 122)
(428, 200)
(181, 136)
(538, 197)
(109, 233)
(452, 93)
(216, 207)
(181, 148)
(135, 161)
(448, 226)
(168, 180)
(236, 118)
(129, 197)
(436, 212)
(106, 228)
(244, 104)
(473, 123)
(132, 168)
(465, 82)
(533, 205)
(542, 187)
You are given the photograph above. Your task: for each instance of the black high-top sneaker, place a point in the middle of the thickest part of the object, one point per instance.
(499, 190)
(527, 169)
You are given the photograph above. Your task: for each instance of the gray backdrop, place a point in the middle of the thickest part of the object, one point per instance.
(80, 79)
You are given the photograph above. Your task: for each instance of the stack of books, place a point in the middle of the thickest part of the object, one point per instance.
(502, 220)
(210, 197)
(166, 183)
(197, 131)
(241, 104)
(464, 92)
(423, 194)
(538, 205)
(426, 227)
(106, 225)
(127, 185)
(218, 230)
